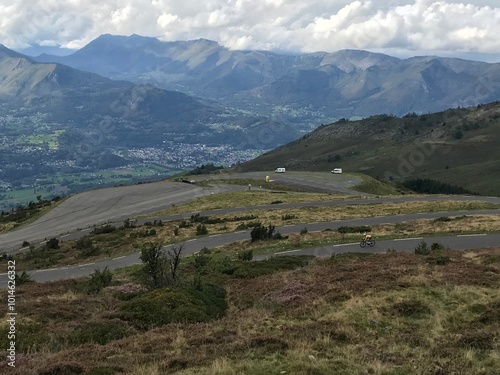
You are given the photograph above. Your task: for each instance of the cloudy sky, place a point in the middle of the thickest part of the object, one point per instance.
(397, 27)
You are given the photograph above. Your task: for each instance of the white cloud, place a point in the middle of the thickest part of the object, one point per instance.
(326, 25)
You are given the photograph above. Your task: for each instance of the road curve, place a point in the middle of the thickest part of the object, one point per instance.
(100, 206)
(458, 242)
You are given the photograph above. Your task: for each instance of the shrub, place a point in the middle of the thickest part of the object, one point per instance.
(442, 261)
(226, 266)
(429, 186)
(176, 305)
(250, 224)
(241, 218)
(184, 224)
(436, 246)
(303, 231)
(205, 219)
(249, 270)
(98, 332)
(442, 219)
(98, 281)
(422, 248)
(262, 232)
(23, 278)
(246, 255)
(276, 202)
(176, 231)
(201, 230)
(359, 229)
(201, 261)
(108, 228)
(287, 217)
(84, 243)
(53, 243)
(86, 246)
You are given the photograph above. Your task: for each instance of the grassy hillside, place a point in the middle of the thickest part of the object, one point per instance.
(457, 146)
(353, 314)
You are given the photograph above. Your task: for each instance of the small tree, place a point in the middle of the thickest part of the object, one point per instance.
(174, 259)
(154, 260)
(161, 267)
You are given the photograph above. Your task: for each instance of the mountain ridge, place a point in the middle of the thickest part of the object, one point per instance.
(402, 148)
(345, 83)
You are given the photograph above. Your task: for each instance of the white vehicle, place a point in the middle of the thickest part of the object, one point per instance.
(279, 170)
(337, 170)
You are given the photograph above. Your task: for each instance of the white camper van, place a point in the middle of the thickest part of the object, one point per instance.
(337, 170)
(279, 170)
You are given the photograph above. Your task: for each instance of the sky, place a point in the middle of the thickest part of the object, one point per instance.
(404, 28)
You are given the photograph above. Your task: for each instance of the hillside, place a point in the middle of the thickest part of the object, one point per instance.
(304, 88)
(457, 146)
(348, 314)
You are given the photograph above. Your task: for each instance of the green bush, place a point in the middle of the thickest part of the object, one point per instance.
(205, 219)
(436, 246)
(248, 270)
(201, 230)
(226, 266)
(303, 231)
(23, 278)
(246, 255)
(262, 232)
(176, 305)
(422, 249)
(104, 229)
(184, 224)
(84, 243)
(359, 229)
(98, 332)
(98, 281)
(53, 243)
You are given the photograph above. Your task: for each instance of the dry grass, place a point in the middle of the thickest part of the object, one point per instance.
(248, 198)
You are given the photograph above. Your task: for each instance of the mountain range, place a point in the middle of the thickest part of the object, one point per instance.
(304, 87)
(141, 115)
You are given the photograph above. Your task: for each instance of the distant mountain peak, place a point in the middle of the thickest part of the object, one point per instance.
(6, 52)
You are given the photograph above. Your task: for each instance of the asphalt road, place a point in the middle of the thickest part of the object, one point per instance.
(73, 217)
(119, 203)
(100, 206)
(11, 242)
(320, 182)
(460, 242)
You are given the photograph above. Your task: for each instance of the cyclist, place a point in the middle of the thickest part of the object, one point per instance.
(367, 237)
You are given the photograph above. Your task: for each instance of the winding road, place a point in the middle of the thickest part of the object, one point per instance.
(71, 219)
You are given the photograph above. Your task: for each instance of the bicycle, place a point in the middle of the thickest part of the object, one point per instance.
(370, 242)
